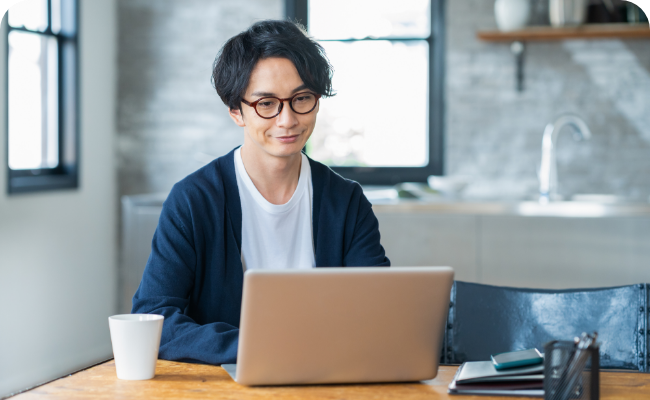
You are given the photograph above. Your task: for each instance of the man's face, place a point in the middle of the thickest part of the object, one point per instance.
(286, 134)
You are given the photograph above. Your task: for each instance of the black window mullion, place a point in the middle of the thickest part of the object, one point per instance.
(436, 88)
(298, 11)
(49, 16)
(59, 36)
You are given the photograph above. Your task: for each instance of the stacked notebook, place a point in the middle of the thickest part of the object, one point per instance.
(481, 378)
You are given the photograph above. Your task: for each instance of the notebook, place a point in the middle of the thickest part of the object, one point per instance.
(481, 378)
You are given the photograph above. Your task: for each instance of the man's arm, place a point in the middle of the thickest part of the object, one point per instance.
(166, 287)
(365, 249)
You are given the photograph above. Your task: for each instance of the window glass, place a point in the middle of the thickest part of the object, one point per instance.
(33, 101)
(379, 117)
(358, 19)
(29, 14)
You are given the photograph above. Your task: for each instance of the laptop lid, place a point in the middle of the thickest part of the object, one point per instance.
(342, 325)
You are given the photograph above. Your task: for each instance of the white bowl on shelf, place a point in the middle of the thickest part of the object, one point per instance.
(453, 184)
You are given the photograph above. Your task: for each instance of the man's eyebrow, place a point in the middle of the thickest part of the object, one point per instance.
(299, 88)
(265, 94)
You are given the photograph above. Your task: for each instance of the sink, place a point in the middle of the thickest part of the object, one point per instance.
(563, 209)
(598, 198)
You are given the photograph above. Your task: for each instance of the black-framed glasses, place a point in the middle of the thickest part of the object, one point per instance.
(271, 107)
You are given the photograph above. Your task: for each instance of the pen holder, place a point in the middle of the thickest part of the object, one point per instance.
(567, 375)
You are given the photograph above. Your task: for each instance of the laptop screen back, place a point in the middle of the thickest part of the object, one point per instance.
(342, 325)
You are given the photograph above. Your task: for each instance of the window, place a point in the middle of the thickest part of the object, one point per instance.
(385, 125)
(42, 95)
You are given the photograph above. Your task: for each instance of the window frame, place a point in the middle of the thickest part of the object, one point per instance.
(66, 174)
(297, 10)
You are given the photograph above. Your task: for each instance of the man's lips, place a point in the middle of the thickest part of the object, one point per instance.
(287, 139)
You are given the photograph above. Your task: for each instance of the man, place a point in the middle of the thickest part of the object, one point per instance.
(263, 205)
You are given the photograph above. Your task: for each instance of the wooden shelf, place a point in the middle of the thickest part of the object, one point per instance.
(547, 33)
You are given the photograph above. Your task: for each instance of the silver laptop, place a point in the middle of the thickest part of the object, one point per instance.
(341, 325)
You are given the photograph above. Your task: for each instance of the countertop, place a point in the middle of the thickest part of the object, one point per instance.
(570, 209)
(443, 205)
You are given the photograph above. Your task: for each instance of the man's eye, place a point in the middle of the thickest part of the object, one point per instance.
(265, 104)
(303, 99)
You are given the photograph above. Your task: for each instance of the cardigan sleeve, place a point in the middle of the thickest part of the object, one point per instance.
(366, 249)
(166, 287)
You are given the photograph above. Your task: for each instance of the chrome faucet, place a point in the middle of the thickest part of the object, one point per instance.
(548, 166)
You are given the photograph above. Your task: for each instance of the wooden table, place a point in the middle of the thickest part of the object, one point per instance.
(193, 381)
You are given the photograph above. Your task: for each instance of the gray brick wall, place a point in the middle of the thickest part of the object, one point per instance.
(170, 119)
(171, 122)
(494, 133)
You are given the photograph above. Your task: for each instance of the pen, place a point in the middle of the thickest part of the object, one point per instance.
(576, 365)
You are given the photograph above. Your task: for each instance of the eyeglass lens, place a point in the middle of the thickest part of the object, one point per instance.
(301, 104)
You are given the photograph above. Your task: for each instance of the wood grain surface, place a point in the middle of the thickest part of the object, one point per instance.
(593, 31)
(175, 380)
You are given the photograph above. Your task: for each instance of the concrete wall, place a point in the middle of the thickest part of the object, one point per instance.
(58, 249)
(494, 133)
(171, 122)
(170, 119)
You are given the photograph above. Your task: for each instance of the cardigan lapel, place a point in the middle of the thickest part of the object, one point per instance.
(231, 193)
(320, 181)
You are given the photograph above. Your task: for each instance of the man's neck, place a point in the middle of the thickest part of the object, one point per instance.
(276, 178)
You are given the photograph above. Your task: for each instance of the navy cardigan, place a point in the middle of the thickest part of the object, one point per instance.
(194, 275)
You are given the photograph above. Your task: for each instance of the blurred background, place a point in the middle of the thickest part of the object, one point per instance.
(440, 114)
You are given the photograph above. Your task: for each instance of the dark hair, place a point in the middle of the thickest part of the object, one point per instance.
(233, 66)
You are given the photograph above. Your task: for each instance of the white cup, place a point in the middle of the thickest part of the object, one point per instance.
(135, 339)
(511, 14)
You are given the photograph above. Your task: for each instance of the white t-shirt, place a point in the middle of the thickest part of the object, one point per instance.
(276, 236)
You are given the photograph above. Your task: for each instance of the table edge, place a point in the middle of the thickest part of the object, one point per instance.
(55, 379)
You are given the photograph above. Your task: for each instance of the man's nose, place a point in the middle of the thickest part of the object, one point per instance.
(286, 118)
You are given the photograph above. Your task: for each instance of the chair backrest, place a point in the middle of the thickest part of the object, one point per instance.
(485, 320)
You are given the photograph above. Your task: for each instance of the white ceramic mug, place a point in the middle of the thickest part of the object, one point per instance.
(511, 14)
(135, 339)
(567, 12)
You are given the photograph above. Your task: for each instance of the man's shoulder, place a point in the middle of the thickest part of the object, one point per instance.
(332, 182)
(327, 176)
(207, 183)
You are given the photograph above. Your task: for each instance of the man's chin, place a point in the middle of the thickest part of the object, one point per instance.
(286, 150)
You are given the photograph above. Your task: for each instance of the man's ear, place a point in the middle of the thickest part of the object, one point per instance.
(237, 116)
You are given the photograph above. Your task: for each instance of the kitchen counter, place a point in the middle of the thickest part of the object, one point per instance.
(441, 205)
(569, 209)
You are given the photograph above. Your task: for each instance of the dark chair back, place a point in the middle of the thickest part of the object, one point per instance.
(485, 320)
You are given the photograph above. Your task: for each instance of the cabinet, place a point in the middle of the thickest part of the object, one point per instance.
(522, 251)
